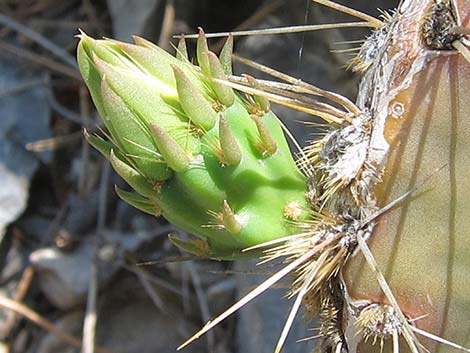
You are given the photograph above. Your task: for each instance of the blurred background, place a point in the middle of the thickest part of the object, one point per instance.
(79, 266)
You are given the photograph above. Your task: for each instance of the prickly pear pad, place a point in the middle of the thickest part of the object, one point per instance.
(217, 164)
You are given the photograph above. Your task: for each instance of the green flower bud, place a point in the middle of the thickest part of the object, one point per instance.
(190, 147)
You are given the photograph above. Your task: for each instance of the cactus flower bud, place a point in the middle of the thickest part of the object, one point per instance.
(191, 147)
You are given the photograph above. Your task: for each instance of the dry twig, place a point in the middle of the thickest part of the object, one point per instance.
(21, 291)
(54, 143)
(254, 19)
(89, 324)
(202, 300)
(45, 324)
(39, 39)
(40, 60)
(167, 25)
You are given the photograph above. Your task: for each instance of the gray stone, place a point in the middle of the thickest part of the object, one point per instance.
(25, 118)
(127, 321)
(64, 276)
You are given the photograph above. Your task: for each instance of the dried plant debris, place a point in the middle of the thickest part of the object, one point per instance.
(439, 24)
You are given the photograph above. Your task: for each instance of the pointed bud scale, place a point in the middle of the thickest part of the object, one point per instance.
(139, 202)
(175, 156)
(155, 60)
(102, 49)
(196, 247)
(226, 55)
(143, 95)
(267, 145)
(103, 146)
(160, 55)
(229, 219)
(142, 42)
(262, 102)
(137, 140)
(131, 176)
(182, 50)
(194, 104)
(89, 73)
(224, 93)
(231, 153)
(201, 52)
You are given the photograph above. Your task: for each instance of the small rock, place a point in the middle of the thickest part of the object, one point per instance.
(64, 276)
(25, 118)
(128, 322)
